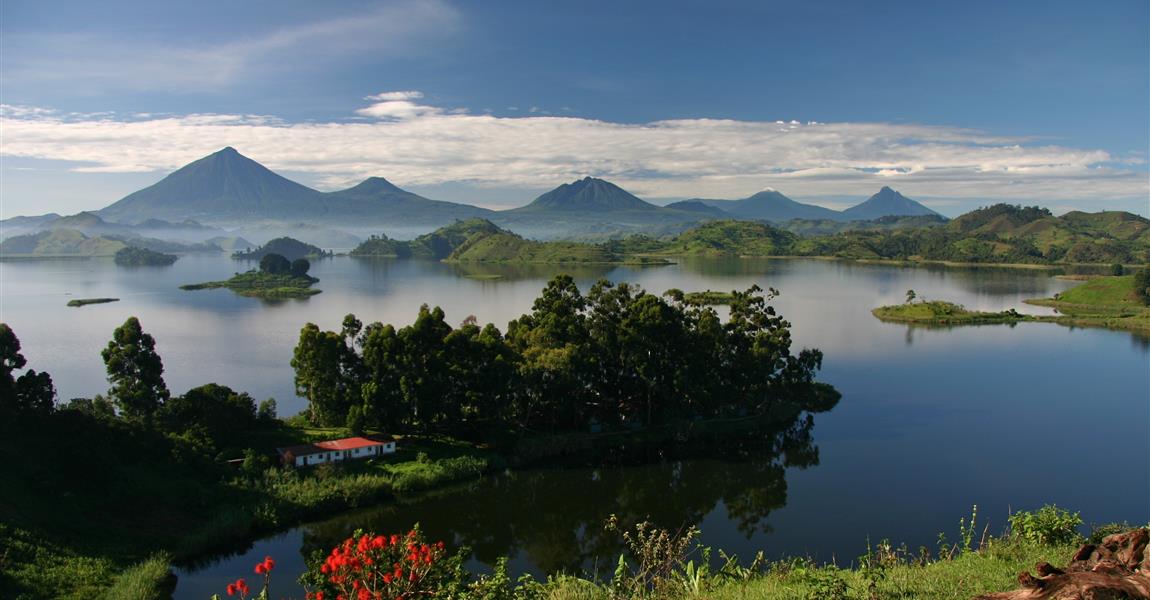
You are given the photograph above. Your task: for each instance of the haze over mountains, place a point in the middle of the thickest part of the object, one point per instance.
(226, 190)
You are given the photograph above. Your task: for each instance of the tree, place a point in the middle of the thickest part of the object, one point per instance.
(910, 296)
(1117, 270)
(221, 412)
(32, 391)
(267, 410)
(326, 373)
(355, 420)
(300, 267)
(1142, 284)
(275, 264)
(135, 372)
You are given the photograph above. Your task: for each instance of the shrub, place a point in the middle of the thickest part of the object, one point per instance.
(1047, 525)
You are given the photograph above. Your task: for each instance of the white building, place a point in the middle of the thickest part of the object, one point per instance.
(330, 451)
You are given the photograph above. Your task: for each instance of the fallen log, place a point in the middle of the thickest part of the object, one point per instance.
(1116, 569)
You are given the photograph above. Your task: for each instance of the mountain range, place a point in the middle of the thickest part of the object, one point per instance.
(229, 190)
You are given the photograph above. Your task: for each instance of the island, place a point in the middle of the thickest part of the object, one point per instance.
(481, 241)
(276, 278)
(132, 256)
(86, 301)
(1111, 302)
(286, 247)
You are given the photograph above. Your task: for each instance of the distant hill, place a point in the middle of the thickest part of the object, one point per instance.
(376, 194)
(59, 242)
(885, 203)
(481, 241)
(805, 227)
(287, 247)
(730, 238)
(771, 205)
(588, 195)
(699, 207)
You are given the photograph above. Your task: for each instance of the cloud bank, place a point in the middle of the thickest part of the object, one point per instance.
(402, 136)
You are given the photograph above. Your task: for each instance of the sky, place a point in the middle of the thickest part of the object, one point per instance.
(955, 104)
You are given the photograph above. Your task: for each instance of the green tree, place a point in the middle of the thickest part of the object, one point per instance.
(275, 264)
(267, 410)
(222, 413)
(135, 372)
(327, 371)
(300, 267)
(1142, 284)
(355, 420)
(910, 296)
(32, 391)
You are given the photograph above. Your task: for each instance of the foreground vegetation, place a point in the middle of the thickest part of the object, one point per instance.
(1113, 302)
(659, 563)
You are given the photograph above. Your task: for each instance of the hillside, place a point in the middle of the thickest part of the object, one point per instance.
(1000, 234)
(58, 242)
(730, 238)
(481, 241)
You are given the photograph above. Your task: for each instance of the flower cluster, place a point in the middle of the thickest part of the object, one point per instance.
(239, 587)
(379, 567)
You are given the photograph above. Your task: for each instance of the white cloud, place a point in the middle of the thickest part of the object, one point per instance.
(412, 143)
(389, 96)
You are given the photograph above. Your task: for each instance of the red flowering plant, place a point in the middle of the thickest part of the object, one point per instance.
(240, 589)
(385, 567)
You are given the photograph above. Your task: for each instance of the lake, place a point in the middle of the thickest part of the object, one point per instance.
(931, 420)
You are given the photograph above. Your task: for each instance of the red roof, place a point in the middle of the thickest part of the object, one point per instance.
(350, 443)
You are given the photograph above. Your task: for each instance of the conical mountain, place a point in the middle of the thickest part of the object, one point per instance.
(589, 195)
(886, 202)
(228, 187)
(225, 185)
(772, 205)
(376, 194)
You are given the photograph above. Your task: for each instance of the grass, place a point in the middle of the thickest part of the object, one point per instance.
(87, 301)
(939, 312)
(709, 297)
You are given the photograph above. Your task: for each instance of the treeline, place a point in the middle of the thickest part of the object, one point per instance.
(617, 356)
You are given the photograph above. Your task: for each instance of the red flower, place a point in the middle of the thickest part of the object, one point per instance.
(260, 569)
(269, 564)
(319, 596)
(231, 589)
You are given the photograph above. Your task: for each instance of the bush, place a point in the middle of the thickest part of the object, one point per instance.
(1047, 525)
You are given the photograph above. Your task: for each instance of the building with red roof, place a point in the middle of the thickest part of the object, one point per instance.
(332, 451)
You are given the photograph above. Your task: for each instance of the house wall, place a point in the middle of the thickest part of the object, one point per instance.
(337, 455)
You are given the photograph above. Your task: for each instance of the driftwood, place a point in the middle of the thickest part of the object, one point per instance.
(1116, 569)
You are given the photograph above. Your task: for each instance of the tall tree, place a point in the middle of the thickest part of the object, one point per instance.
(326, 373)
(135, 372)
(32, 391)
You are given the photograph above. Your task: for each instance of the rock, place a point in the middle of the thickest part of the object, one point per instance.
(1116, 569)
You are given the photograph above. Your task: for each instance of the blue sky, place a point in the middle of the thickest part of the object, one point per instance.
(958, 104)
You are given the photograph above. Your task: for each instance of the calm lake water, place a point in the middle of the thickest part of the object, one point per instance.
(931, 420)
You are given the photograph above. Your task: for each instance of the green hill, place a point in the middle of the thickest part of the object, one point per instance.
(289, 248)
(730, 238)
(59, 242)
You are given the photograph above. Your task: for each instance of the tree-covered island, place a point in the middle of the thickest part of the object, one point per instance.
(132, 256)
(276, 278)
(580, 375)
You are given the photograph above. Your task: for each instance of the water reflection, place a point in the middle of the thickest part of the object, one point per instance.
(553, 520)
